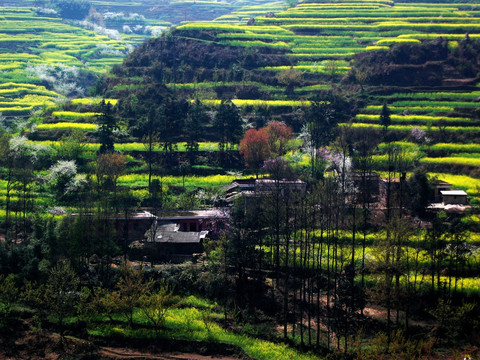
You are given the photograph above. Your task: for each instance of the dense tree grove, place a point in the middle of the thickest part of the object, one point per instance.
(429, 62)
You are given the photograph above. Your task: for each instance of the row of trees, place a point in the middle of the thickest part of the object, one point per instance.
(317, 247)
(59, 296)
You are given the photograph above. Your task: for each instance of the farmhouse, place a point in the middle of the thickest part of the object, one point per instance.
(285, 187)
(367, 185)
(454, 197)
(165, 242)
(213, 220)
(439, 186)
(256, 188)
(178, 236)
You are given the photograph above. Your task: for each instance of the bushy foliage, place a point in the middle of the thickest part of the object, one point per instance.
(73, 9)
(427, 62)
(65, 80)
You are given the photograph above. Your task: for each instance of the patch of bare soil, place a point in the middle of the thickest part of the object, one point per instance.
(380, 314)
(35, 345)
(20, 340)
(44, 345)
(125, 353)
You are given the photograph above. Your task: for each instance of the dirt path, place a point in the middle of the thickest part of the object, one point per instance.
(124, 353)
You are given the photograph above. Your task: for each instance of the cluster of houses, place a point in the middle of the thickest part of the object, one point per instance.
(179, 236)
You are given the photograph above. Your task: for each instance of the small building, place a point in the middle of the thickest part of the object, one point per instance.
(439, 186)
(213, 221)
(165, 242)
(127, 227)
(253, 189)
(284, 186)
(133, 226)
(454, 197)
(395, 186)
(367, 184)
(237, 187)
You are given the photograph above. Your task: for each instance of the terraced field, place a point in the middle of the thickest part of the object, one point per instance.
(322, 37)
(324, 30)
(45, 56)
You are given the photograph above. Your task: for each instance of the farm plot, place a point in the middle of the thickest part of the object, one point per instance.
(315, 32)
(42, 58)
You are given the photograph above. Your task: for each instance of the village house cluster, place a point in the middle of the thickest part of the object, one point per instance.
(179, 236)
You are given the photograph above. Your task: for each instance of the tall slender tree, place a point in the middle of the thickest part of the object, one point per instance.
(106, 124)
(385, 119)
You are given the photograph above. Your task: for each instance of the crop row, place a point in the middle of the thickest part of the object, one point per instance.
(437, 35)
(233, 28)
(256, 43)
(436, 95)
(467, 286)
(266, 103)
(136, 146)
(337, 2)
(464, 182)
(191, 182)
(412, 118)
(73, 114)
(444, 147)
(22, 91)
(93, 101)
(68, 126)
(383, 26)
(450, 147)
(475, 161)
(214, 84)
(433, 103)
(420, 127)
(311, 68)
(398, 109)
(316, 19)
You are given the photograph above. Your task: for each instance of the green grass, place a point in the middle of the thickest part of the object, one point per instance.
(198, 320)
(466, 286)
(460, 160)
(435, 96)
(451, 147)
(191, 182)
(433, 103)
(409, 128)
(412, 118)
(412, 108)
(467, 183)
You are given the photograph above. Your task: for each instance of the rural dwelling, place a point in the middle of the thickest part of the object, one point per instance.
(439, 186)
(213, 221)
(166, 243)
(133, 226)
(127, 227)
(254, 191)
(454, 197)
(237, 187)
(395, 187)
(285, 186)
(368, 184)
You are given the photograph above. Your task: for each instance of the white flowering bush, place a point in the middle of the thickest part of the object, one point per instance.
(62, 78)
